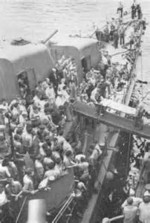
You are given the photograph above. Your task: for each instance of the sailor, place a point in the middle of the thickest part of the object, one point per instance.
(83, 167)
(144, 210)
(11, 166)
(4, 172)
(95, 95)
(139, 11)
(122, 35)
(39, 168)
(3, 197)
(13, 188)
(68, 159)
(96, 153)
(133, 11)
(120, 9)
(146, 166)
(116, 38)
(136, 200)
(132, 40)
(4, 214)
(143, 21)
(138, 119)
(54, 79)
(28, 184)
(112, 29)
(27, 137)
(130, 212)
(106, 33)
(78, 157)
(51, 92)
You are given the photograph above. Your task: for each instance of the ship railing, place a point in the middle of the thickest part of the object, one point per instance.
(21, 203)
(64, 208)
(116, 218)
(21, 209)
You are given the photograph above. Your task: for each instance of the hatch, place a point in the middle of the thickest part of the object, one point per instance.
(86, 63)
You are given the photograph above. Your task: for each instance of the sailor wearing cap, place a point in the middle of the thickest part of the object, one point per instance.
(144, 210)
(130, 211)
(136, 200)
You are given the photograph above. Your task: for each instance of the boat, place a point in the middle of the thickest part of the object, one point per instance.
(35, 61)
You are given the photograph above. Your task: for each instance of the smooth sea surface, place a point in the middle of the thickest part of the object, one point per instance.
(35, 20)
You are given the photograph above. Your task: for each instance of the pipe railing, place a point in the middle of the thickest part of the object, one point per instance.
(63, 209)
(109, 220)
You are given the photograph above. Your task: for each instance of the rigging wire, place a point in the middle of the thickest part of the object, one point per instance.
(142, 73)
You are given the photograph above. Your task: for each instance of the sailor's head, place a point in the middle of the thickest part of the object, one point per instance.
(130, 201)
(146, 199)
(29, 171)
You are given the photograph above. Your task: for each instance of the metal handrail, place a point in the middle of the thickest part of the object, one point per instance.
(62, 210)
(21, 209)
(108, 220)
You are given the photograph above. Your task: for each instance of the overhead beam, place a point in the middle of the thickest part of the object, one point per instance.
(111, 119)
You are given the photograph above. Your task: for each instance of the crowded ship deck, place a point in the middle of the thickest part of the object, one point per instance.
(54, 99)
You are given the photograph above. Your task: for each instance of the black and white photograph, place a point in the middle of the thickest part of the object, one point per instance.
(75, 111)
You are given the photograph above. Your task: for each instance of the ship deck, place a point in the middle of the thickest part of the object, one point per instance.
(118, 122)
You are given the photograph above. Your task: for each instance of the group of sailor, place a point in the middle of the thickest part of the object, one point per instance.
(34, 151)
(134, 200)
(136, 11)
(116, 28)
(107, 80)
(33, 148)
(137, 209)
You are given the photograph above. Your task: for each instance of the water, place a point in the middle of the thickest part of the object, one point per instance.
(34, 20)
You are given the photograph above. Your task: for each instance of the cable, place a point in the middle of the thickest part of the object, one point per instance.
(142, 73)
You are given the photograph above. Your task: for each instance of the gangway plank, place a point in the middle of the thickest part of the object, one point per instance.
(111, 119)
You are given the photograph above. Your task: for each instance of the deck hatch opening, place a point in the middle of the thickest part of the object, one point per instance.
(27, 78)
(86, 63)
